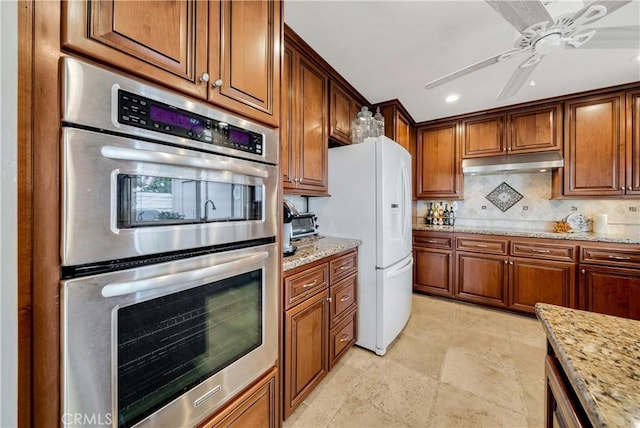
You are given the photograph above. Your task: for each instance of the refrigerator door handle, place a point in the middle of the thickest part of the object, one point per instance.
(403, 170)
(402, 269)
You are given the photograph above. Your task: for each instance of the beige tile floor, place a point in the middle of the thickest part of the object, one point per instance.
(454, 365)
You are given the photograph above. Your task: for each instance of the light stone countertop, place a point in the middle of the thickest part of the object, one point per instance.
(579, 236)
(316, 248)
(601, 356)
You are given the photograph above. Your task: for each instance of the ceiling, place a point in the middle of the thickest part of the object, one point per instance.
(391, 49)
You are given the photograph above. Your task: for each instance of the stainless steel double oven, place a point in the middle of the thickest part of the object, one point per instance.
(169, 288)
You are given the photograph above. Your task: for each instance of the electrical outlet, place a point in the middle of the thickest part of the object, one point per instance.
(525, 208)
(484, 207)
(574, 208)
(633, 209)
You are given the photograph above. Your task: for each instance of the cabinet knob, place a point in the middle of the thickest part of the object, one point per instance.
(629, 188)
(204, 77)
(622, 188)
(217, 83)
(300, 180)
(510, 263)
(506, 262)
(584, 271)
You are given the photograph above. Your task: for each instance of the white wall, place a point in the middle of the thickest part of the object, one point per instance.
(8, 216)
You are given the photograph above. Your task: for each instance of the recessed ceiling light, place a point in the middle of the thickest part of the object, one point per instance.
(543, 170)
(532, 83)
(452, 98)
(635, 58)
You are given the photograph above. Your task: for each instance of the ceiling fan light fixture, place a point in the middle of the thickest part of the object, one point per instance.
(452, 98)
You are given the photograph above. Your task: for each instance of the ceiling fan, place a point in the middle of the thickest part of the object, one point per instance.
(541, 34)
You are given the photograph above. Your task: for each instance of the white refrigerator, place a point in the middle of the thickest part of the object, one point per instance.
(370, 188)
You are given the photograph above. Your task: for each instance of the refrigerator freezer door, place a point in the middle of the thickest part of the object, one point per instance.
(393, 175)
(394, 302)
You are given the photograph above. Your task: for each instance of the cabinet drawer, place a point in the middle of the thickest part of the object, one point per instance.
(611, 256)
(343, 297)
(480, 245)
(433, 241)
(343, 266)
(543, 250)
(304, 284)
(342, 337)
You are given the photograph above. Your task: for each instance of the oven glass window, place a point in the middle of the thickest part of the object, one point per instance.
(159, 201)
(172, 343)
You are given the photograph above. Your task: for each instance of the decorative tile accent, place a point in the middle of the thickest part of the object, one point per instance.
(504, 196)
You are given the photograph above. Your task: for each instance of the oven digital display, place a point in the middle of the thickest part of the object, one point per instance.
(171, 117)
(239, 137)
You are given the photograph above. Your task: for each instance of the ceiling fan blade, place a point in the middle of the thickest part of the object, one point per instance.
(610, 5)
(613, 38)
(471, 68)
(519, 77)
(522, 14)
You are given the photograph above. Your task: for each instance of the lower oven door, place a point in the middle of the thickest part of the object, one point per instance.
(126, 198)
(168, 344)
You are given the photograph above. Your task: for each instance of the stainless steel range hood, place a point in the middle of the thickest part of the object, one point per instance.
(526, 162)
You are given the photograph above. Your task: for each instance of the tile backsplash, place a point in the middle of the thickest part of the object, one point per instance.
(535, 211)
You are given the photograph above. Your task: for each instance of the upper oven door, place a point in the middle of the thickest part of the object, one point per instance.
(125, 198)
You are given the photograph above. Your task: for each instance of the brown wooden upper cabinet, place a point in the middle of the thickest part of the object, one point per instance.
(397, 123)
(526, 130)
(594, 148)
(632, 154)
(483, 136)
(303, 132)
(438, 171)
(227, 53)
(535, 129)
(343, 109)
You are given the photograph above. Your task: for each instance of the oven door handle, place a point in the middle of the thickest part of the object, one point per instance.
(122, 288)
(137, 155)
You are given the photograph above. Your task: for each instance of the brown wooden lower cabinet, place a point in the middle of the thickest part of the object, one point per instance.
(306, 360)
(532, 281)
(611, 291)
(433, 271)
(319, 326)
(562, 407)
(481, 278)
(256, 407)
(516, 273)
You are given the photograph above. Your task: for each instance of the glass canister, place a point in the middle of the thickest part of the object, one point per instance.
(363, 126)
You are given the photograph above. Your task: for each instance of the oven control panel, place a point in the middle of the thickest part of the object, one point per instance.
(142, 112)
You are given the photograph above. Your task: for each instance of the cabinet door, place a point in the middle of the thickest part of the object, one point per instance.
(537, 129)
(253, 408)
(403, 132)
(165, 41)
(438, 168)
(611, 291)
(312, 122)
(481, 278)
(433, 271)
(532, 281)
(483, 136)
(288, 162)
(306, 354)
(341, 108)
(593, 152)
(633, 143)
(244, 57)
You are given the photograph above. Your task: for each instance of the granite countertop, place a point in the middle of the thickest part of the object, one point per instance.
(601, 356)
(316, 248)
(579, 236)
